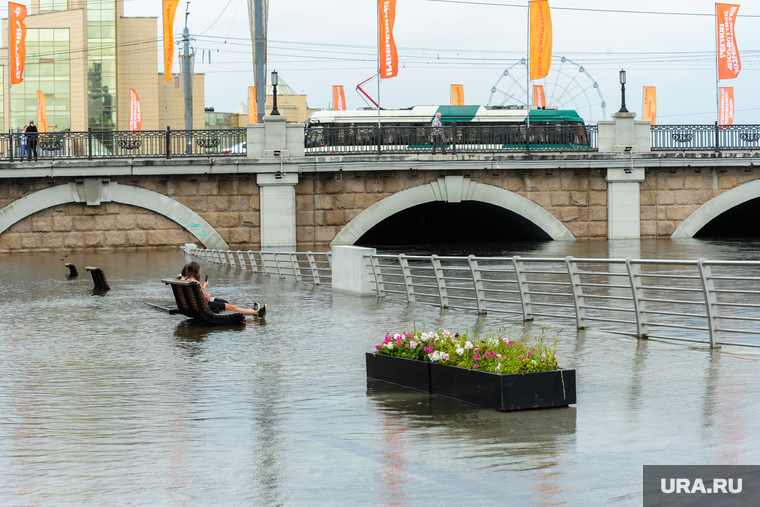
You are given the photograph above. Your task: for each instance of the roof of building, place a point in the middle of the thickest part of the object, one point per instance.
(282, 88)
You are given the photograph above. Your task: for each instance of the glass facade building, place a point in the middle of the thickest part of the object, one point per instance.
(101, 64)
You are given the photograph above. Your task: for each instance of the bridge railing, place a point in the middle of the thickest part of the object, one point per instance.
(122, 144)
(457, 139)
(310, 267)
(711, 302)
(705, 137)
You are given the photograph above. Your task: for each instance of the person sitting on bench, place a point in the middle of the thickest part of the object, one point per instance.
(192, 271)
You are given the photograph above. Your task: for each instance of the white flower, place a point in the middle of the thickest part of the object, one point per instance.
(435, 356)
(425, 337)
(533, 361)
(397, 336)
(460, 351)
(468, 345)
(390, 346)
(444, 356)
(413, 344)
(498, 367)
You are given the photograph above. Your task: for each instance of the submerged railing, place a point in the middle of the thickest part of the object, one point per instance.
(311, 267)
(121, 144)
(712, 302)
(457, 139)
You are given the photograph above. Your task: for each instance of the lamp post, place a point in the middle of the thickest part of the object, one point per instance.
(622, 88)
(274, 112)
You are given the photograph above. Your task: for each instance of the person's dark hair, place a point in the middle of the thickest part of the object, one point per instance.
(183, 273)
(193, 271)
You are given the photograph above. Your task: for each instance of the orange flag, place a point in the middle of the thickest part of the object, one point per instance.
(457, 95)
(339, 98)
(135, 112)
(729, 63)
(253, 107)
(388, 53)
(540, 39)
(650, 104)
(42, 125)
(170, 9)
(16, 16)
(726, 106)
(539, 98)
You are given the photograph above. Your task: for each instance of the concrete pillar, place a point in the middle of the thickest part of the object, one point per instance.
(624, 131)
(277, 210)
(352, 271)
(623, 203)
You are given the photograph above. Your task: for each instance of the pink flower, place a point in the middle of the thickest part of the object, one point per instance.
(476, 366)
(377, 347)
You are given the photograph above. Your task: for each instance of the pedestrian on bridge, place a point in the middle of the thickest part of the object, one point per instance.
(31, 134)
(438, 134)
(22, 141)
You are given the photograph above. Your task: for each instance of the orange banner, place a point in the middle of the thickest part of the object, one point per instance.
(729, 63)
(650, 104)
(457, 95)
(339, 98)
(42, 125)
(253, 107)
(726, 106)
(170, 9)
(388, 53)
(135, 112)
(539, 98)
(540, 39)
(16, 17)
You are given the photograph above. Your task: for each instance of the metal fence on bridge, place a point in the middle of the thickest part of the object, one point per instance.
(705, 137)
(711, 302)
(122, 144)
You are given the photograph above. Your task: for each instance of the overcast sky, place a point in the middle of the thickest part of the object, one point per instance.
(316, 44)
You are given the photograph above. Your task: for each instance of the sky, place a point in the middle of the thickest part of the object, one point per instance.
(669, 44)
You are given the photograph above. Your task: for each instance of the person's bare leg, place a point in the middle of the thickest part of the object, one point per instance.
(244, 311)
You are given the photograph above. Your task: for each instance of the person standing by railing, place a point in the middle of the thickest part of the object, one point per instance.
(438, 134)
(22, 142)
(31, 132)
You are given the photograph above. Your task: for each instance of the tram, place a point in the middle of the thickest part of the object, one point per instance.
(464, 125)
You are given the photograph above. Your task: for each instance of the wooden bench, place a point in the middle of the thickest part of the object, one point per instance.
(98, 278)
(192, 303)
(73, 273)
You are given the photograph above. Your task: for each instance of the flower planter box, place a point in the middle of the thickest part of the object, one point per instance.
(518, 391)
(400, 371)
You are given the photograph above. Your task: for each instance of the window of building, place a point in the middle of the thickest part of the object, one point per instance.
(101, 64)
(53, 5)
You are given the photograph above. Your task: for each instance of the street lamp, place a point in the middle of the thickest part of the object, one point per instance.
(622, 87)
(274, 112)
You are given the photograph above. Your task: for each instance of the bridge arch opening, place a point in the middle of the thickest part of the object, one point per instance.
(731, 213)
(737, 222)
(438, 222)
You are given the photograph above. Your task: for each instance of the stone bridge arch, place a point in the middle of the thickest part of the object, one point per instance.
(94, 191)
(715, 207)
(452, 189)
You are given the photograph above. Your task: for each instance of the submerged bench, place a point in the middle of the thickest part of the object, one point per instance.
(192, 303)
(73, 273)
(98, 278)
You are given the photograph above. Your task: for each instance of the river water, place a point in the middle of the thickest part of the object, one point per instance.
(106, 401)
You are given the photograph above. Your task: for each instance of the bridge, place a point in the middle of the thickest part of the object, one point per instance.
(267, 187)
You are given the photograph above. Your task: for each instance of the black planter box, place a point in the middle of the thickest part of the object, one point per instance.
(399, 370)
(517, 391)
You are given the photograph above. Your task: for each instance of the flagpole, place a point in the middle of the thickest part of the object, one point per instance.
(378, 73)
(717, 76)
(527, 89)
(10, 77)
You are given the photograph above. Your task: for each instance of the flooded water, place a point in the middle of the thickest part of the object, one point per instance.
(106, 401)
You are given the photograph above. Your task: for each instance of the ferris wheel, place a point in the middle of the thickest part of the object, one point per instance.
(567, 86)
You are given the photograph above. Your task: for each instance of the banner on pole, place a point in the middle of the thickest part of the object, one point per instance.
(540, 39)
(253, 107)
(169, 9)
(457, 95)
(16, 17)
(726, 105)
(539, 98)
(42, 123)
(650, 104)
(388, 53)
(339, 98)
(135, 112)
(729, 63)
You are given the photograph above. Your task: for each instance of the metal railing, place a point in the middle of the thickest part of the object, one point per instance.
(120, 144)
(310, 267)
(457, 139)
(702, 301)
(705, 137)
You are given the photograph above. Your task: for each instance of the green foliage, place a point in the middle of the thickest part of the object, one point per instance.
(490, 351)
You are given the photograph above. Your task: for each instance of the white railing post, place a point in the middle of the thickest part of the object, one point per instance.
(329, 259)
(230, 258)
(522, 286)
(575, 284)
(711, 302)
(277, 264)
(407, 277)
(637, 290)
(440, 281)
(252, 259)
(313, 268)
(296, 266)
(379, 284)
(477, 283)
(241, 260)
(263, 263)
